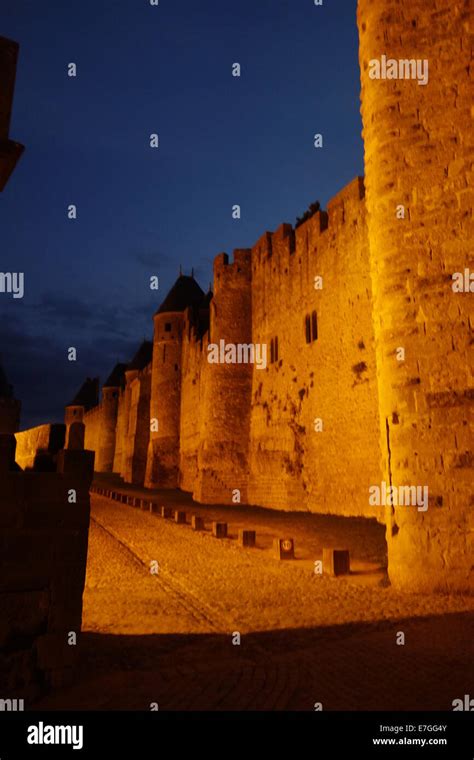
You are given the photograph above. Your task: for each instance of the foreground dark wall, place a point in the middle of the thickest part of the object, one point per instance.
(44, 522)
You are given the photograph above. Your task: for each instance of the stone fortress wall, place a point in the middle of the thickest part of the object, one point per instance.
(301, 433)
(368, 375)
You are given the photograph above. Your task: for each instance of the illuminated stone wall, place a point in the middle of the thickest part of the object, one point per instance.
(314, 431)
(134, 456)
(367, 378)
(419, 142)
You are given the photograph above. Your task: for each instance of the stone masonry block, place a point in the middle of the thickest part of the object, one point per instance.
(219, 530)
(336, 561)
(284, 548)
(247, 538)
(197, 522)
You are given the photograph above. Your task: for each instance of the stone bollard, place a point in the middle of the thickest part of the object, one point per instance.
(284, 548)
(197, 523)
(247, 538)
(219, 530)
(336, 562)
(166, 512)
(180, 517)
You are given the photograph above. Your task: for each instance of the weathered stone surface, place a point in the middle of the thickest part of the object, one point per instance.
(419, 144)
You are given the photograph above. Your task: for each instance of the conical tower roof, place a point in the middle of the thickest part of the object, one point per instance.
(142, 357)
(185, 292)
(115, 379)
(87, 395)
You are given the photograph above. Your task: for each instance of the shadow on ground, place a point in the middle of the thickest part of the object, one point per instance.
(346, 667)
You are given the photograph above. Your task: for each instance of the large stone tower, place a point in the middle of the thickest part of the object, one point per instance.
(419, 143)
(163, 450)
(108, 420)
(9, 407)
(224, 445)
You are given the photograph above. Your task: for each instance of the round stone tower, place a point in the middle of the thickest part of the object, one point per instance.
(86, 398)
(108, 420)
(163, 450)
(227, 386)
(417, 95)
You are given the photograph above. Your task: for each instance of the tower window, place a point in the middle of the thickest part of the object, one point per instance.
(308, 329)
(167, 326)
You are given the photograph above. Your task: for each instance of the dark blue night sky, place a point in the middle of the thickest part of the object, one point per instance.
(223, 141)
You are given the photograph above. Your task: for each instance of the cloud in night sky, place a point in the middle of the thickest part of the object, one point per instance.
(34, 342)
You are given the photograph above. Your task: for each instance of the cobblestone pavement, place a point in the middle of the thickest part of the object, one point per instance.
(170, 637)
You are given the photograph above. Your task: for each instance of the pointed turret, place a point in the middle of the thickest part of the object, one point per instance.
(163, 451)
(86, 398)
